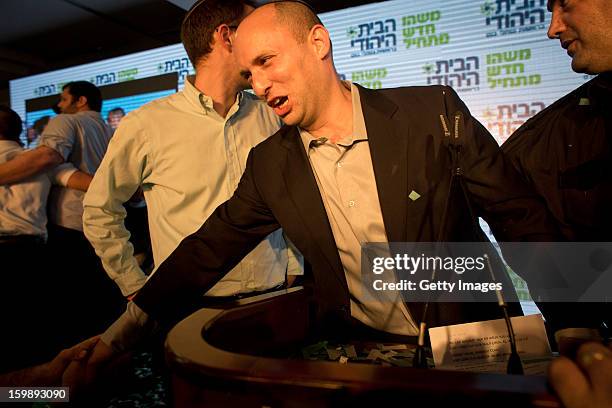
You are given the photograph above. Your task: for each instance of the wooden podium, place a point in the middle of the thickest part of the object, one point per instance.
(220, 357)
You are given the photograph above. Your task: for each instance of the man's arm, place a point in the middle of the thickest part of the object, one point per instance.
(199, 262)
(56, 145)
(497, 191)
(205, 256)
(79, 181)
(50, 373)
(131, 328)
(119, 175)
(67, 175)
(28, 164)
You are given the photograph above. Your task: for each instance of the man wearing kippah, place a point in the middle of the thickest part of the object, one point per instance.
(187, 152)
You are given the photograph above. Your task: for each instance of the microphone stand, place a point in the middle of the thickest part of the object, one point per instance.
(515, 365)
(420, 360)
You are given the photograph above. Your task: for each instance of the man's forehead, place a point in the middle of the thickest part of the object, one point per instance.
(257, 35)
(262, 12)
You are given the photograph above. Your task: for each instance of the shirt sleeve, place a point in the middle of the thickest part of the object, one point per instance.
(120, 174)
(59, 135)
(295, 260)
(205, 256)
(62, 173)
(497, 191)
(130, 329)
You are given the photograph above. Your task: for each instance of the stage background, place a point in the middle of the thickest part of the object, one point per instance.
(495, 54)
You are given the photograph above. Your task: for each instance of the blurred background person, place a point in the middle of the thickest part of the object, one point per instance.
(114, 117)
(34, 132)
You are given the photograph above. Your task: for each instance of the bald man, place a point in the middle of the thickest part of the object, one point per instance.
(351, 166)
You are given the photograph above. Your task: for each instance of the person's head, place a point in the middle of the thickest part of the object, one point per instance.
(10, 125)
(40, 124)
(37, 128)
(286, 54)
(211, 22)
(80, 96)
(584, 28)
(114, 117)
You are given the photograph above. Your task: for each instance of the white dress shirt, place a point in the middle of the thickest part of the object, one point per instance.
(81, 139)
(23, 206)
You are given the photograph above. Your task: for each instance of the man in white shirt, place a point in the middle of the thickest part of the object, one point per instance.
(187, 152)
(79, 136)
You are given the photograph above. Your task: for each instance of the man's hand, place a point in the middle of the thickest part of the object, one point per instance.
(587, 381)
(55, 368)
(83, 372)
(49, 374)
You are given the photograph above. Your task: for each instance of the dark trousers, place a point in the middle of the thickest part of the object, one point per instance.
(23, 322)
(85, 300)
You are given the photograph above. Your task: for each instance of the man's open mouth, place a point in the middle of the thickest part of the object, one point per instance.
(278, 102)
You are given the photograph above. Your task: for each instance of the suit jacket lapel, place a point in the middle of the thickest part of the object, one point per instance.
(389, 151)
(304, 192)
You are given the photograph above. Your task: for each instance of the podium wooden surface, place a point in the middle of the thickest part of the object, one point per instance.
(220, 357)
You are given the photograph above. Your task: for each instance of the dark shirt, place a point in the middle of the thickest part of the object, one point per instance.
(565, 153)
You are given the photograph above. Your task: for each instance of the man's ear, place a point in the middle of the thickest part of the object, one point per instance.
(224, 35)
(82, 101)
(318, 37)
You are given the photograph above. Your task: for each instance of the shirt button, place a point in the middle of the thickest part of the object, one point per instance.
(351, 203)
(339, 164)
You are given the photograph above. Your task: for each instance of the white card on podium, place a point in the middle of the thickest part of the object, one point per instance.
(485, 346)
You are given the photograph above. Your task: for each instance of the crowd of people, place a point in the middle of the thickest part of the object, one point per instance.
(242, 191)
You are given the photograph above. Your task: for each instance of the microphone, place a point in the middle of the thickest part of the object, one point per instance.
(515, 365)
(454, 143)
(420, 359)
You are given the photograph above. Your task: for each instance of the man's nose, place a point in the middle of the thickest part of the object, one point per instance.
(556, 23)
(261, 85)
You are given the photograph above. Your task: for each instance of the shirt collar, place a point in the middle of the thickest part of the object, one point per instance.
(92, 114)
(201, 100)
(9, 143)
(595, 93)
(359, 128)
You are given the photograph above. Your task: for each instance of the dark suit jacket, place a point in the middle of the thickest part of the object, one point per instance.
(565, 154)
(408, 149)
